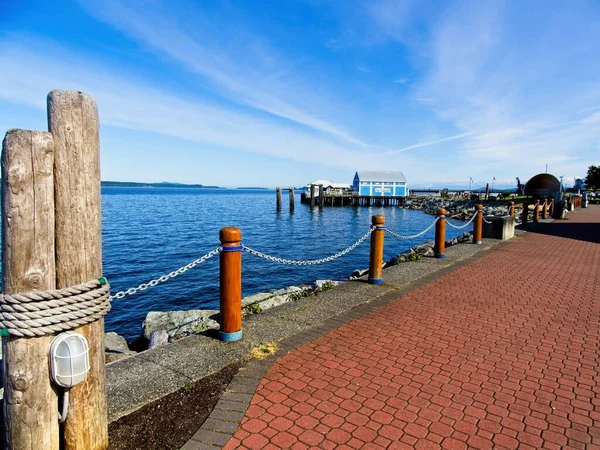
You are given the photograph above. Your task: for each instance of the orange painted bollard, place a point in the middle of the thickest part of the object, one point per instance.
(230, 285)
(551, 208)
(536, 212)
(478, 225)
(440, 234)
(511, 209)
(545, 209)
(376, 255)
(525, 213)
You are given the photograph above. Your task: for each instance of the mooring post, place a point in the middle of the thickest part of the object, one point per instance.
(536, 212)
(545, 209)
(525, 214)
(552, 208)
(291, 198)
(312, 195)
(230, 284)
(511, 209)
(321, 196)
(73, 122)
(478, 224)
(278, 195)
(440, 234)
(376, 254)
(30, 399)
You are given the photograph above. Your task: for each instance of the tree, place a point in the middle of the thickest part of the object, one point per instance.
(592, 180)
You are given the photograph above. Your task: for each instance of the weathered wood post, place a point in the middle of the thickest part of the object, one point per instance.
(536, 212)
(321, 196)
(312, 195)
(440, 234)
(30, 398)
(230, 284)
(291, 198)
(376, 254)
(478, 224)
(73, 122)
(511, 209)
(278, 195)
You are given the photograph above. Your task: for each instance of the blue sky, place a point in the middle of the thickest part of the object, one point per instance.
(277, 93)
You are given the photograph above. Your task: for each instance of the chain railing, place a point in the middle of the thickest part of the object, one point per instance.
(307, 262)
(173, 274)
(413, 236)
(457, 227)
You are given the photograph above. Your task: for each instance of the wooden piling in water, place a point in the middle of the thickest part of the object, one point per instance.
(278, 195)
(291, 198)
(312, 195)
(28, 264)
(321, 196)
(73, 122)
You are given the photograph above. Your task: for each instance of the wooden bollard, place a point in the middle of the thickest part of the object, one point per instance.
(74, 124)
(545, 209)
(376, 254)
(230, 287)
(552, 208)
(536, 212)
(511, 209)
(30, 398)
(440, 234)
(525, 214)
(312, 195)
(478, 225)
(278, 196)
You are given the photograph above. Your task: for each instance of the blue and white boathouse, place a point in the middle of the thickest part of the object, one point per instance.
(380, 184)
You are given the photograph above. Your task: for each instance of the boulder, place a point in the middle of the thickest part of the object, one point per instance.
(180, 323)
(158, 339)
(115, 347)
(358, 273)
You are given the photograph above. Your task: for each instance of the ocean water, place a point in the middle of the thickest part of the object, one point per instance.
(148, 233)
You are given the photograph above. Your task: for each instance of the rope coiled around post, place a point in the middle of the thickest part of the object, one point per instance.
(39, 313)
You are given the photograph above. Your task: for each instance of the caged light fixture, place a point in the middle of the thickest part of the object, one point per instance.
(69, 364)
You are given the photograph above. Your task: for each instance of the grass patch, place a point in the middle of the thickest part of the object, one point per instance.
(263, 350)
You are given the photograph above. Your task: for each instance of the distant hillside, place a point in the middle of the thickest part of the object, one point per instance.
(155, 185)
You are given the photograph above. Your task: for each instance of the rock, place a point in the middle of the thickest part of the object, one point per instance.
(320, 283)
(180, 323)
(158, 338)
(115, 343)
(358, 273)
(423, 248)
(429, 252)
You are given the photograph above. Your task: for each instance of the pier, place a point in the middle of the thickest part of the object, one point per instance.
(315, 196)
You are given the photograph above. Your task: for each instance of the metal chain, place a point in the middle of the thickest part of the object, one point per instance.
(414, 235)
(308, 262)
(485, 220)
(462, 226)
(144, 286)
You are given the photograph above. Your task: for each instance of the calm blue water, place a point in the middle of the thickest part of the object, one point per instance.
(148, 233)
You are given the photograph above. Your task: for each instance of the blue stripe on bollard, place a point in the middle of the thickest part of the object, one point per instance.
(443, 255)
(234, 248)
(375, 280)
(230, 337)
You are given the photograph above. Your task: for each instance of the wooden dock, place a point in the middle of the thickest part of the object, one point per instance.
(349, 199)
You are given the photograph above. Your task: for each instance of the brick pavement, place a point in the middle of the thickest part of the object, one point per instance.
(500, 353)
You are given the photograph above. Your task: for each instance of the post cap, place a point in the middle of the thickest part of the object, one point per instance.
(440, 212)
(479, 207)
(511, 203)
(230, 235)
(378, 220)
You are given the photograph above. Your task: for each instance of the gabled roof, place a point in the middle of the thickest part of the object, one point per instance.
(383, 175)
(331, 184)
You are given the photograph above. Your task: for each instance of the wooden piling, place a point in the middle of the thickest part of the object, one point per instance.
(440, 234)
(230, 284)
(312, 195)
(291, 198)
(73, 122)
(30, 398)
(278, 195)
(478, 225)
(321, 196)
(376, 253)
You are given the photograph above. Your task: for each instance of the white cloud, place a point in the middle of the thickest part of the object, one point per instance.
(243, 67)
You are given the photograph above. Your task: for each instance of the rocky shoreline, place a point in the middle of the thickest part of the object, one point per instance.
(461, 209)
